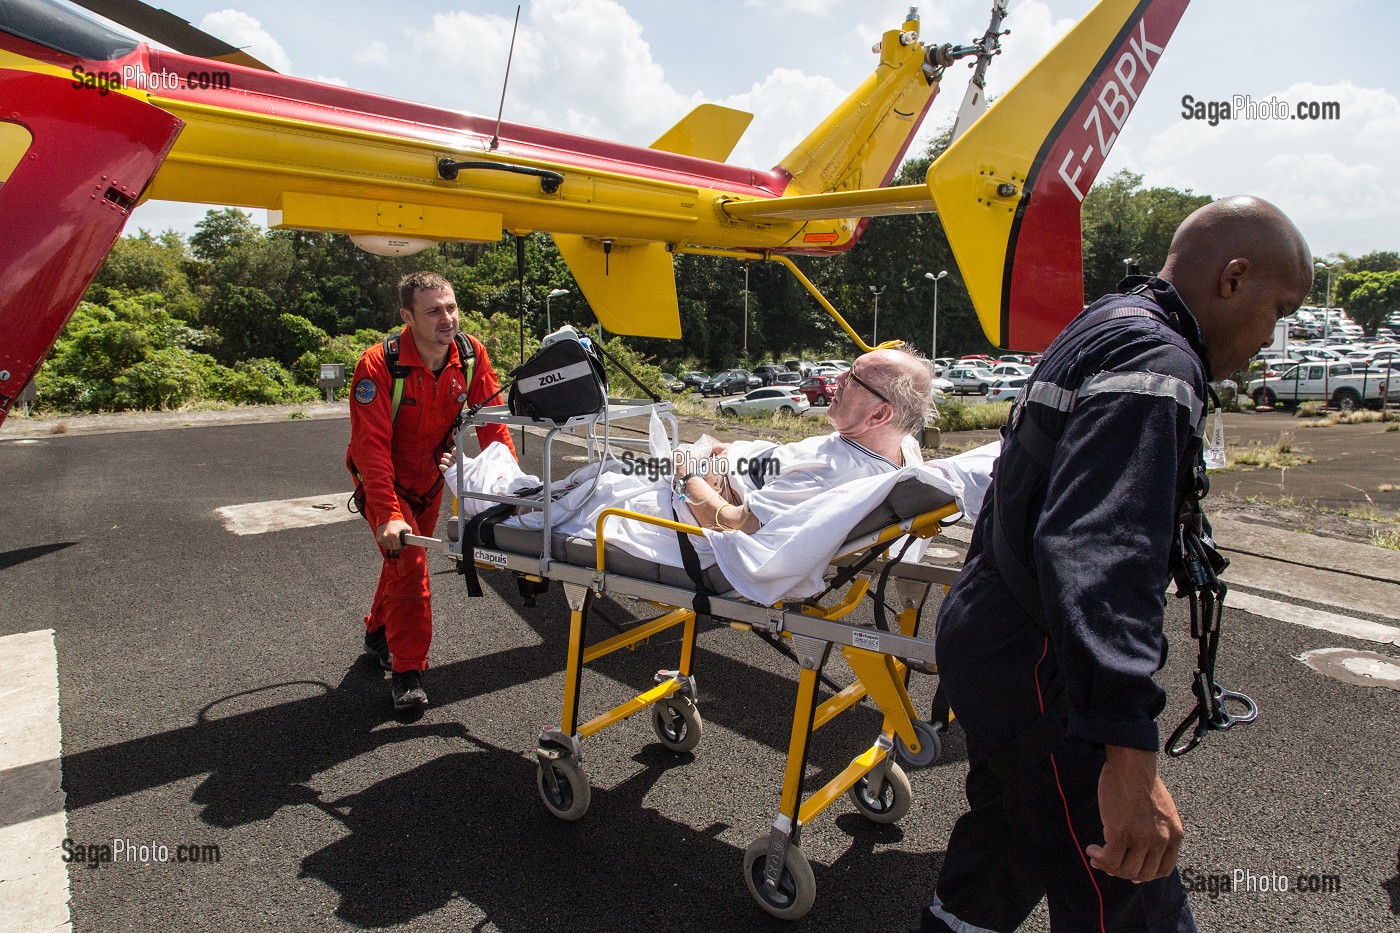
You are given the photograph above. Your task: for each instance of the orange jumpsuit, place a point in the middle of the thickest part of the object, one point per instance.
(398, 460)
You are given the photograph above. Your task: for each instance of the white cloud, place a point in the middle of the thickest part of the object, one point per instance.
(241, 30)
(1341, 197)
(602, 81)
(787, 105)
(820, 7)
(338, 82)
(376, 54)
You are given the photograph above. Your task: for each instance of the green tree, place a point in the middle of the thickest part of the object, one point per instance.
(145, 264)
(1123, 221)
(1369, 297)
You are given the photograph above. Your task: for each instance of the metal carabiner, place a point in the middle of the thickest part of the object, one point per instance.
(1221, 718)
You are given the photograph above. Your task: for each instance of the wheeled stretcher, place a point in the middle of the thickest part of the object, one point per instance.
(776, 871)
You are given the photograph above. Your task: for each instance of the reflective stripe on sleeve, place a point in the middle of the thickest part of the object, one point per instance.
(1135, 383)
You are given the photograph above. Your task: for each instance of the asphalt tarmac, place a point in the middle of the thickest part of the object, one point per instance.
(212, 695)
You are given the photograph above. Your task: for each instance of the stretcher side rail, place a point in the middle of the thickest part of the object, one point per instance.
(596, 447)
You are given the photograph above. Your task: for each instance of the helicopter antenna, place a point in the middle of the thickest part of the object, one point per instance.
(496, 138)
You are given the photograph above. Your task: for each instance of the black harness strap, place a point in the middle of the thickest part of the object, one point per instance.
(479, 530)
(690, 560)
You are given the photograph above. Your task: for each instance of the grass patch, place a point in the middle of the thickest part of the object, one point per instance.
(211, 404)
(1310, 410)
(1351, 417)
(1386, 487)
(296, 414)
(1387, 538)
(960, 416)
(60, 428)
(777, 426)
(1394, 427)
(1280, 456)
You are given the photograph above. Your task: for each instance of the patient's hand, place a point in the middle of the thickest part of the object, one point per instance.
(446, 460)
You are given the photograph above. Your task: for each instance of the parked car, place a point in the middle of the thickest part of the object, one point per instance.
(788, 378)
(767, 372)
(835, 364)
(694, 379)
(1008, 370)
(766, 401)
(729, 382)
(797, 366)
(941, 386)
(969, 380)
(672, 383)
(819, 389)
(1346, 386)
(1006, 390)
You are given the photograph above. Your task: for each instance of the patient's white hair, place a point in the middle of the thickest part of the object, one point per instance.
(907, 381)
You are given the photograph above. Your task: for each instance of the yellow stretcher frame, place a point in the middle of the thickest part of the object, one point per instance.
(776, 871)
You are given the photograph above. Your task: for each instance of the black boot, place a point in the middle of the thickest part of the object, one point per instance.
(377, 649)
(408, 691)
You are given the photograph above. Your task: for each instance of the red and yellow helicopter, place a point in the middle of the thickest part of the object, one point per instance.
(93, 122)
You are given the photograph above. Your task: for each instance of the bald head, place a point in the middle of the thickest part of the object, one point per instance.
(1240, 265)
(905, 380)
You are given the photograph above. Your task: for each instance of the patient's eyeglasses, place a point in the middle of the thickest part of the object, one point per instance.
(850, 375)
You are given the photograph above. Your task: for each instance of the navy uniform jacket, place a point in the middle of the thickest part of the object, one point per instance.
(1126, 398)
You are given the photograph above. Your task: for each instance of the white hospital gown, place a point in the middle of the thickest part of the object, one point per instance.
(812, 493)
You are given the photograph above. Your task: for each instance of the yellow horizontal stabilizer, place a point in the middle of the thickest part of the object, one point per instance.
(1009, 189)
(631, 287)
(833, 205)
(707, 132)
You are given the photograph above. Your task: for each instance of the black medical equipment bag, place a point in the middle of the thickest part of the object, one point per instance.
(563, 380)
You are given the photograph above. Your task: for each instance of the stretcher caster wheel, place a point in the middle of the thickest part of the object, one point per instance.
(677, 723)
(888, 806)
(930, 746)
(563, 787)
(797, 886)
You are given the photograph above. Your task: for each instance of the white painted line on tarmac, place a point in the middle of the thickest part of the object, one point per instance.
(33, 820)
(255, 518)
(1313, 618)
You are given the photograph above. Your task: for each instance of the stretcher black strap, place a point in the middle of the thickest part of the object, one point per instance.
(845, 574)
(626, 372)
(881, 619)
(691, 562)
(478, 530)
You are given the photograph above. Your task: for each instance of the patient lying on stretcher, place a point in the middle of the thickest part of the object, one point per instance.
(792, 504)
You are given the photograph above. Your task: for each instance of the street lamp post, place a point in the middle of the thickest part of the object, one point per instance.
(877, 291)
(1127, 267)
(746, 313)
(1327, 311)
(933, 341)
(556, 293)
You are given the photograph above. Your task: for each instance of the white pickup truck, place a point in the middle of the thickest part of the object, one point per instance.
(1347, 386)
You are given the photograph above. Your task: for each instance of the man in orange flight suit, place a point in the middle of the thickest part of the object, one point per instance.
(394, 455)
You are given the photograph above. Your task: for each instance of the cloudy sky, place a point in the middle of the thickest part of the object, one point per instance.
(628, 69)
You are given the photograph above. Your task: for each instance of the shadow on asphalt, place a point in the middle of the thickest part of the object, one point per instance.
(414, 846)
(22, 555)
(468, 824)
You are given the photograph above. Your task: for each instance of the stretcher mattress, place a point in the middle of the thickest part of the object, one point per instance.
(908, 498)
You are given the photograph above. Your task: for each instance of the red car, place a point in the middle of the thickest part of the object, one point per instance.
(819, 389)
